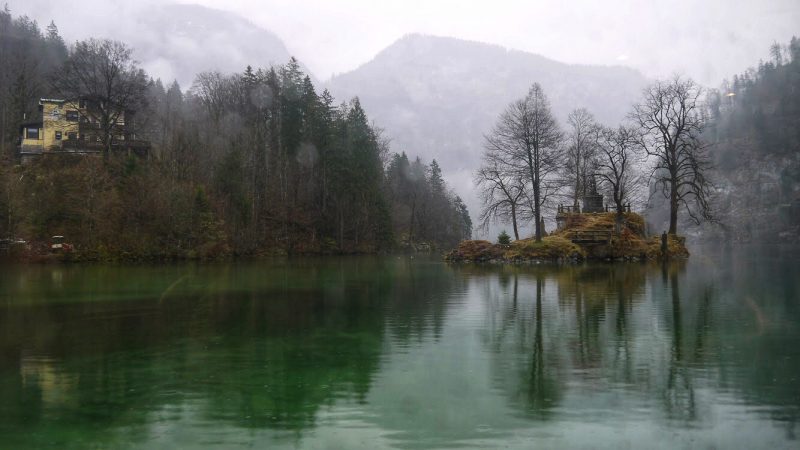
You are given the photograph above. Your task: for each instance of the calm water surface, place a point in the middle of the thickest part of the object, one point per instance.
(403, 353)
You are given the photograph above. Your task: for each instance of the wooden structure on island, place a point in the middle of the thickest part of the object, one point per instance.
(592, 204)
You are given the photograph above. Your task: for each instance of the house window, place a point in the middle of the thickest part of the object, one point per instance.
(31, 133)
(82, 103)
(58, 135)
(72, 136)
(72, 116)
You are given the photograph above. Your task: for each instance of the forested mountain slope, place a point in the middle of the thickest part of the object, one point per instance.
(755, 136)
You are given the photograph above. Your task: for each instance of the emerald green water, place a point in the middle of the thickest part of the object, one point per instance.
(402, 353)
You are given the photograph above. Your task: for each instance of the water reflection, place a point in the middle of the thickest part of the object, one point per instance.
(593, 341)
(261, 346)
(388, 352)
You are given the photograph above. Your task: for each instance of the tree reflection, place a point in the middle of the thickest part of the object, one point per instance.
(252, 346)
(679, 395)
(524, 361)
(542, 388)
(588, 329)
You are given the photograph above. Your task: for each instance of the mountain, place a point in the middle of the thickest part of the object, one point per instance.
(180, 41)
(436, 97)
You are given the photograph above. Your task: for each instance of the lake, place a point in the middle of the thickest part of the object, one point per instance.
(400, 352)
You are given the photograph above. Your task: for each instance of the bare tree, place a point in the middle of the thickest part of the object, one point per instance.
(503, 194)
(215, 91)
(103, 73)
(617, 154)
(581, 141)
(671, 122)
(527, 138)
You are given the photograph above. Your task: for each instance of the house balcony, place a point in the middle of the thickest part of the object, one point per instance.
(139, 147)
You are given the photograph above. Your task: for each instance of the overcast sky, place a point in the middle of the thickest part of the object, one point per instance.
(706, 39)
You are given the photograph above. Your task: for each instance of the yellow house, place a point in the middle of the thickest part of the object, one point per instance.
(60, 121)
(70, 126)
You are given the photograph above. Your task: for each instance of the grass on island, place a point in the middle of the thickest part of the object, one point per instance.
(550, 248)
(630, 243)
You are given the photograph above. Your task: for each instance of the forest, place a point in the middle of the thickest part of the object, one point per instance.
(246, 164)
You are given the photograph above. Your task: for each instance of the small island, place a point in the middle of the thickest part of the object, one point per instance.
(529, 161)
(583, 236)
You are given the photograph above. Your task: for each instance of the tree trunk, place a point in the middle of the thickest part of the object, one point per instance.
(514, 221)
(673, 207)
(537, 211)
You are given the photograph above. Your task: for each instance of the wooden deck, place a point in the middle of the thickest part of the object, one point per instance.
(591, 236)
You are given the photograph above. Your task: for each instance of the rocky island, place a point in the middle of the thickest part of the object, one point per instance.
(579, 236)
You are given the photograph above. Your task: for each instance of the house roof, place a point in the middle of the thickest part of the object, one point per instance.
(37, 123)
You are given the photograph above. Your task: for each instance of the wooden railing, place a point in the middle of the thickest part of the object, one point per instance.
(568, 209)
(611, 208)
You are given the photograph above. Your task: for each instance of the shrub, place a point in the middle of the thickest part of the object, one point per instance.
(503, 238)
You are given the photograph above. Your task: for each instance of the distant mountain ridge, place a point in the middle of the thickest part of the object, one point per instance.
(436, 96)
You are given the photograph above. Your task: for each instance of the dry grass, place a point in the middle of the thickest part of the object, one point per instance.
(603, 221)
(630, 243)
(475, 251)
(551, 247)
(676, 247)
